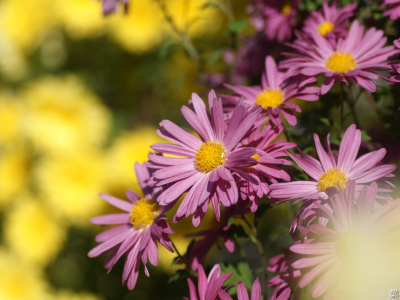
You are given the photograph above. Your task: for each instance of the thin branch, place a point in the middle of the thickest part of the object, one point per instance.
(180, 256)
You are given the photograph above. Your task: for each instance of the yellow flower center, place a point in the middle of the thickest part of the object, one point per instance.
(286, 9)
(325, 27)
(144, 211)
(209, 156)
(341, 62)
(351, 245)
(331, 178)
(270, 98)
(255, 156)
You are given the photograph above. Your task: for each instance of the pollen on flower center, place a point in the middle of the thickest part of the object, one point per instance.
(144, 211)
(341, 62)
(270, 98)
(209, 156)
(325, 27)
(351, 245)
(286, 9)
(331, 178)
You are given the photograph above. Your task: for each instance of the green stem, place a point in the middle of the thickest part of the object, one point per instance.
(180, 256)
(351, 103)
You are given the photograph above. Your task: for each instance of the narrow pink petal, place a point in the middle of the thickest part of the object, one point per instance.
(242, 292)
(121, 204)
(110, 233)
(323, 267)
(314, 249)
(256, 290)
(111, 219)
(349, 148)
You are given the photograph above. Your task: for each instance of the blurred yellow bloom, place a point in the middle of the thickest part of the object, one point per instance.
(63, 115)
(10, 118)
(13, 62)
(81, 18)
(128, 148)
(71, 183)
(14, 172)
(32, 232)
(67, 295)
(141, 29)
(19, 281)
(24, 22)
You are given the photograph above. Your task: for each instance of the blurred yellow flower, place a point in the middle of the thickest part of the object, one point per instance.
(63, 115)
(20, 281)
(67, 295)
(32, 232)
(128, 148)
(13, 62)
(71, 183)
(81, 18)
(10, 118)
(14, 174)
(141, 29)
(24, 22)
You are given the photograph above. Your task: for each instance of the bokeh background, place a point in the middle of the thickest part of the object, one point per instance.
(81, 96)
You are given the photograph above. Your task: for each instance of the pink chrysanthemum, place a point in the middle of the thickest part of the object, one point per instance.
(393, 9)
(331, 22)
(206, 163)
(143, 224)
(358, 236)
(396, 67)
(357, 57)
(282, 264)
(242, 292)
(333, 170)
(275, 94)
(207, 287)
(267, 169)
(110, 6)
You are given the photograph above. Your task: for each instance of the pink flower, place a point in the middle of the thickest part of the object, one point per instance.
(393, 9)
(207, 287)
(242, 292)
(333, 170)
(275, 94)
(359, 234)
(281, 293)
(330, 22)
(282, 264)
(267, 169)
(395, 78)
(205, 165)
(110, 6)
(143, 224)
(357, 57)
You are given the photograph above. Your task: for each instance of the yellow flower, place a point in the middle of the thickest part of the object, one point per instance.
(127, 149)
(63, 115)
(13, 62)
(141, 29)
(10, 118)
(24, 22)
(81, 18)
(71, 183)
(20, 281)
(32, 232)
(67, 295)
(14, 171)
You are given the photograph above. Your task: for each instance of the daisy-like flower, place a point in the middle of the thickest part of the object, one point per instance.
(330, 22)
(206, 163)
(242, 292)
(282, 264)
(111, 6)
(396, 67)
(142, 225)
(267, 169)
(358, 239)
(207, 287)
(275, 93)
(333, 170)
(356, 57)
(393, 10)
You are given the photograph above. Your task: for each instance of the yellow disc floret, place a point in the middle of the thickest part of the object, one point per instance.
(286, 9)
(351, 244)
(341, 62)
(209, 156)
(144, 211)
(325, 27)
(270, 98)
(331, 178)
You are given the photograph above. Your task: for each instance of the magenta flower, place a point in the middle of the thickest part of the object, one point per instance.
(275, 94)
(267, 169)
(393, 8)
(333, 170)
(357, 57)
(205, 165)
(359, 235)
(330, 22)
(395, 78)
(142, 225)
(242, 292)
(281, 293)
(282, 264)
(207, 287)
(111, 6)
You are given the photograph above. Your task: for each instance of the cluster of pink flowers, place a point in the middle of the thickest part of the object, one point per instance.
(238, 157)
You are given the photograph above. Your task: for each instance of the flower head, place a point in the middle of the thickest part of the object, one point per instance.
(333, 170)
(242, 292)
(356, 57)
(205, 165)
(111, 6)
(275, 94)
(393, 10)
(142, 225)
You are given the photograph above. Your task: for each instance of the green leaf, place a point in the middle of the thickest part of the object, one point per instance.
(242, 272)
(237, 26)
(325, 121)
(173, 262)
(230, 221)
(166, 49)
(237, 231)
(179, 274)
(209, 4)
(213, 57)
(365, 137)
